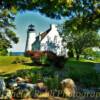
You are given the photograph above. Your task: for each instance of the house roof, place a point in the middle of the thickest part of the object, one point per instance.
(42, 35)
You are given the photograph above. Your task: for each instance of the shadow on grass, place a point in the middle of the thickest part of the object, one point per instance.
(3, 74)
(36, 64)
(73, 62)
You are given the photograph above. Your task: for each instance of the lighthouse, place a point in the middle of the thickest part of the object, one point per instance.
(31, 37)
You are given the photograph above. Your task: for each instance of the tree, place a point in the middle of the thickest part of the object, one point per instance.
(82, 25)
(89, 52)
(81, 37)
(7, 35)
(56, 8)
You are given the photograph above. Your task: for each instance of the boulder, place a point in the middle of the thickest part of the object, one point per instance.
(26, 85)
(68, 87)
(2, 85)
(40, 84)
(19, 80)
(22, 93)
(12, 84)
(8, 94)
(41, 90)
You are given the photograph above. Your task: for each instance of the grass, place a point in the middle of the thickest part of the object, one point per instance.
(80, 71)
(7, 65)
(81, 62)
(96, 60)
(83, 72)
(80, 67)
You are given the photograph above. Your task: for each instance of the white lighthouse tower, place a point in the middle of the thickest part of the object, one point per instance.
(31, 37)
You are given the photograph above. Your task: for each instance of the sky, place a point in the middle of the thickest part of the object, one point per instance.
(23, 19)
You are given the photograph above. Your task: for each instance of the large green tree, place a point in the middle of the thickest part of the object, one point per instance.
(80, 35)
(56, 8)
(7, 35)
(82, 26)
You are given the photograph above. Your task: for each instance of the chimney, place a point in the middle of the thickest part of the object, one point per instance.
(53, 26)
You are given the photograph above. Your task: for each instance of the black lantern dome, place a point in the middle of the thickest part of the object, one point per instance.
(31, 28)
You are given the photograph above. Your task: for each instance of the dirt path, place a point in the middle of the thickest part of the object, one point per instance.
(97, 67)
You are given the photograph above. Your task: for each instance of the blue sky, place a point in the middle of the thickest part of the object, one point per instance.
(23, 19)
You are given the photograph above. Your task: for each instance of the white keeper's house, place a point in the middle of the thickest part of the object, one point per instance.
(50, 40)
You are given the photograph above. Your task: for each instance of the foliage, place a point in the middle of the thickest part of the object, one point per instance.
(80, 33)
(97, 54)
(7, 35)
(80, 29)
(28, 53)
(89, 52)
(56, 8)
(46, 58)
(3, 52)
(19, 60)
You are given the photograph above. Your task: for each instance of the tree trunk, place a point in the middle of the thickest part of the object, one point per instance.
(77, 56)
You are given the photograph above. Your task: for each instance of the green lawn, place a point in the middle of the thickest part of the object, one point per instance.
(81, 71)
(7, 65)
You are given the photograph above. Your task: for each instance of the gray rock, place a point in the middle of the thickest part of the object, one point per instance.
(26, 85)
(2, 84)
(12, 83)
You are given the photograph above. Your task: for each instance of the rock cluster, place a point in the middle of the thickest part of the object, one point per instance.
(20, 88)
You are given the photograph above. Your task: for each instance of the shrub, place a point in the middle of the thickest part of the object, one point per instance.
(28, 53)
(46, 58)
(36, 56)
(50, 57)
(19, 60)
(39, 57)
(60, 61)
(87, 79)
(53, 59)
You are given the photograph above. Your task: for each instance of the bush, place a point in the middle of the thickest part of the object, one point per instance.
(39, 57)
(60, 61)
(53, 59)
(28, 53)
(47, 58)
(50, 57)
(87, 79)
(19, 60)
(36, 57)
